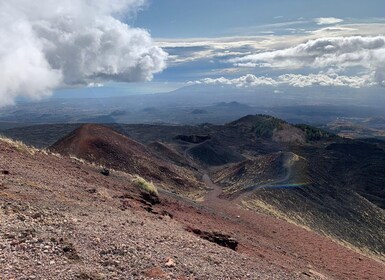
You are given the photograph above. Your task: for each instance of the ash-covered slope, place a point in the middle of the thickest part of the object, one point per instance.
(251, 172)
(360, 165)
(62, 219)
(334, 186)
(213, 153)
(104, 146)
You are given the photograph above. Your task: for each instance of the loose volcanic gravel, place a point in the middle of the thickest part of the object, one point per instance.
(61, 219)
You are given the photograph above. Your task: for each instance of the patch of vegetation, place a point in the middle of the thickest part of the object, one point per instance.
(264, 126)
(19, 146)
(146, 186)
(315, 134)
(77, 159)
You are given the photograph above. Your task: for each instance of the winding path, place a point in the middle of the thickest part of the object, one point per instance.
(283, 243)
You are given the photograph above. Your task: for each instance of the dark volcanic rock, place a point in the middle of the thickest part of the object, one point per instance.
(151, 198)
(212, 153)
(195, 139)
(105, 172)
(223, 240)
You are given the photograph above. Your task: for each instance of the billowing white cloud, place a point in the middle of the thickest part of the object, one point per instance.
(328, 20)
(325, 53)
(321, 79)
(244, 81)
(295, 80)
(194, 49)
(46, 44)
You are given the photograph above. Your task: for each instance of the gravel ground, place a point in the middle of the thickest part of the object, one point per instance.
(61, 219)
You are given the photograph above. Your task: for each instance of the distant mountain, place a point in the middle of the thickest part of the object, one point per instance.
(232, 105)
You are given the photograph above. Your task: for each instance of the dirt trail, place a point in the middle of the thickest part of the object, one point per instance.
(289, 245)
(243, 193)
(216, 190)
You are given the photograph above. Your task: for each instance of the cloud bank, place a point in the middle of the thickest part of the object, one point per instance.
(295, 80)
(46, 44)
(328, 20)
(338, 53)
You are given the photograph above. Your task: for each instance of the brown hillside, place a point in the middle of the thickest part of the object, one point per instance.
(62, 219)
(106, 147)
(259, 170)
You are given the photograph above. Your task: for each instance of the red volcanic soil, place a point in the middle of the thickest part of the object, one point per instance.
(62, 219)
(283, 244)
(101, 145)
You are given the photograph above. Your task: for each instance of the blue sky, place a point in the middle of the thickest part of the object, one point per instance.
(209, 41)
(212, 18)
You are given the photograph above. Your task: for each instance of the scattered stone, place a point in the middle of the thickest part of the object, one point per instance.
(36, 215)
(167, 214)
(105, 172)
(5, 172)
(148, 209)
(92, 190)
(124, 205)
(70, 252)
(21, 218)
(150, 198)
(170, 262)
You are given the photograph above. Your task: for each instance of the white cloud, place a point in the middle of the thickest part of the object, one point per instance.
(328, 20)
(46, 44)
(325, 53)
(194, 49)
(95, 85)
(320, 79)
(295, 80)
(244, 81)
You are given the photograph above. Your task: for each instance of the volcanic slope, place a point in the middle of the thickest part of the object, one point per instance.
(334, 186)
(62, 219)
(299, 173)
(103, 146)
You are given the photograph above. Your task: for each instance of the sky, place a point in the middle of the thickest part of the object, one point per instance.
(218, 42)
(216, 18)
(149, 46)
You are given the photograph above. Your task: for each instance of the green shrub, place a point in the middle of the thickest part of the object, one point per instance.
(315, 134)
(145, 185)
(19, 146)
(265, 126)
